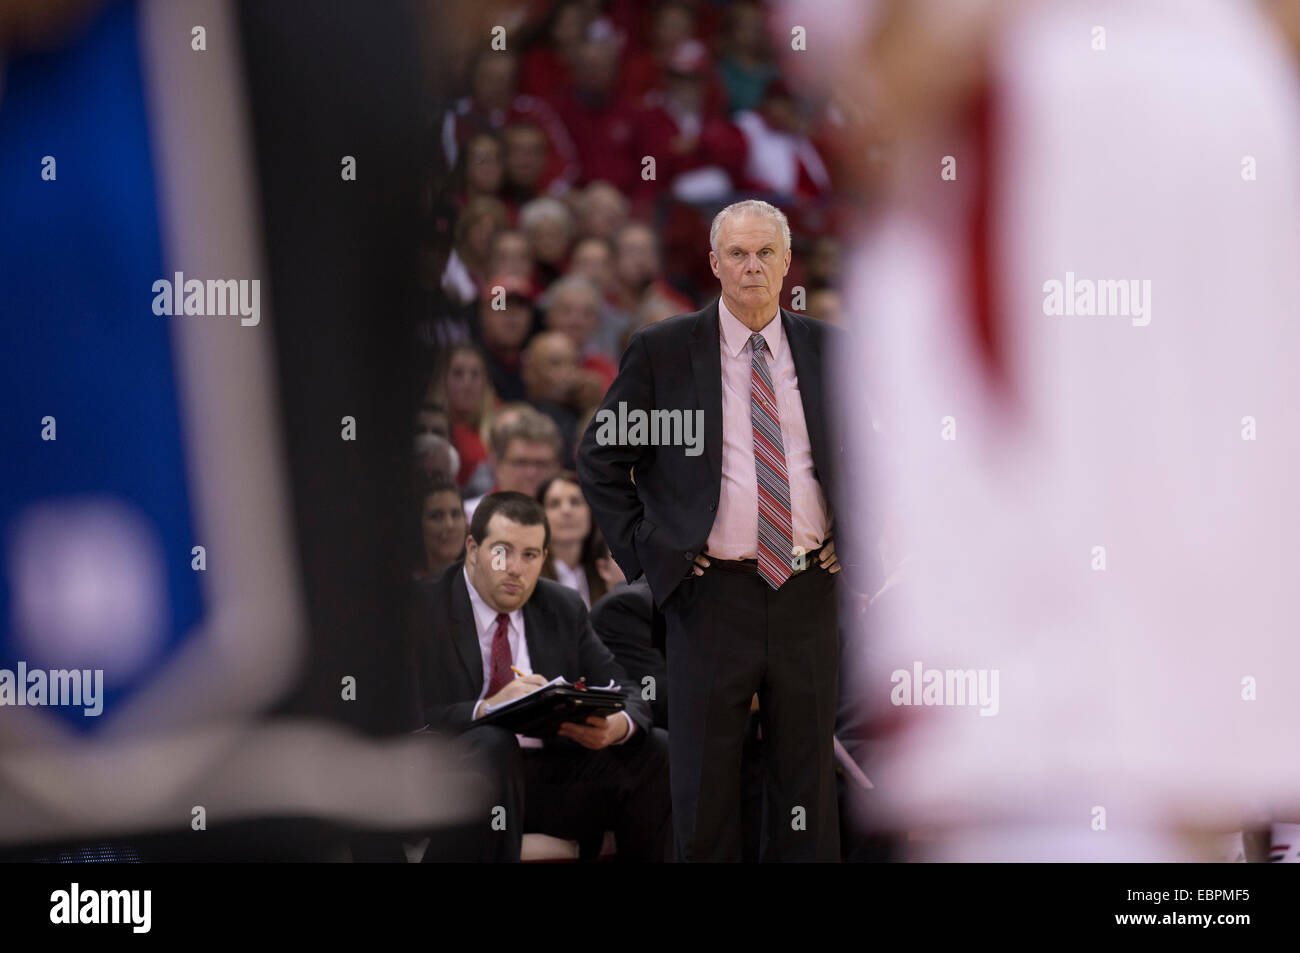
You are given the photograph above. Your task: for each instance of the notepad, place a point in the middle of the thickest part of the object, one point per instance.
(558, 680)
(540, 713)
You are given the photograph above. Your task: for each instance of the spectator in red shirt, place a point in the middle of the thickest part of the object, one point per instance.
(780, 157)
(572, 307)
(548, 67)
(503, 330)
(523, 452)
(493, 104)
(510, 254)
(469, 262)
(601, 210)
(697, 154)
(593, 259)
(547, 223)
(443, 527)
(599, 121)
(461, 384)
(525, 165)
(638, 288)
(673, 24)
(480, 168)
(550, 373)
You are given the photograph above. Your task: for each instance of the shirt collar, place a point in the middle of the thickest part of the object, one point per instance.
(484, 615)
(575, 578)
(735, 336)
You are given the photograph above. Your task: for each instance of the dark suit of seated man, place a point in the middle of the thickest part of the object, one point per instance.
(623, 619)
(478, 621)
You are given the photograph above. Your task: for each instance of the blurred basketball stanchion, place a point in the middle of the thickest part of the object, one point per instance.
(181, 514)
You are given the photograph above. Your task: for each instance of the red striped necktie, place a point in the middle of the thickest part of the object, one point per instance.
(775, 536)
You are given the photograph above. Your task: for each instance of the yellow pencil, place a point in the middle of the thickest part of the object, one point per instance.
(516, 671)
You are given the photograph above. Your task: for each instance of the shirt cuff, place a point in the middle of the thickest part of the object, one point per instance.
(631, 727)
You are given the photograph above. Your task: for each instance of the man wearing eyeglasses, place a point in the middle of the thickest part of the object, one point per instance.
(524, 453)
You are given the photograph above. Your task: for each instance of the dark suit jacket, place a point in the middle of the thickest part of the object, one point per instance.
(560, 642)
(660, 523)
(624, 620)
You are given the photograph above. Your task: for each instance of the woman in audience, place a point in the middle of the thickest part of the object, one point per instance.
(470, 262)
(480, 168)
(548, 225)
(578, 556)
(442, 526)
(461, 385)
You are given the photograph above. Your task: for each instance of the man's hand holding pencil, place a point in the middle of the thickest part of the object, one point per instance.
(522, 685)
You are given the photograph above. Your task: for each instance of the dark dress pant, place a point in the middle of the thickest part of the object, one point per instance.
(729, 636)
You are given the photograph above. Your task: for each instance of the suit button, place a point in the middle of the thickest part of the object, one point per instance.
(690, 557)
(712, 507)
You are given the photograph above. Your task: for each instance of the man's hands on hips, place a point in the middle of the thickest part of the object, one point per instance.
(826, 559)
(597, 733)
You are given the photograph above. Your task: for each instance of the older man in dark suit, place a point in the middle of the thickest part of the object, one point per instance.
(733, 534)
(482, 619)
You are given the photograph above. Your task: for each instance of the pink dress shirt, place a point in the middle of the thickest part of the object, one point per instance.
(735, 530)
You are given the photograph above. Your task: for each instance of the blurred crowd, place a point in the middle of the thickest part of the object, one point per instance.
(582, 167)
(569, 185)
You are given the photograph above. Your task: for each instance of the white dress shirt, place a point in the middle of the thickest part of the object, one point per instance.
(573, 578)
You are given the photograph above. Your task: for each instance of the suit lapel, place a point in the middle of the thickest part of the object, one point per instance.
(536, 620)
(706, 363)
(808, 368)
(465, 630)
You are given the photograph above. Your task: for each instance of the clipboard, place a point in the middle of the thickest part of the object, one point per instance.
(540, 713)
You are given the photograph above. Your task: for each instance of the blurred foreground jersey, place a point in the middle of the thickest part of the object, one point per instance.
(1112, 535)
(95, 518)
